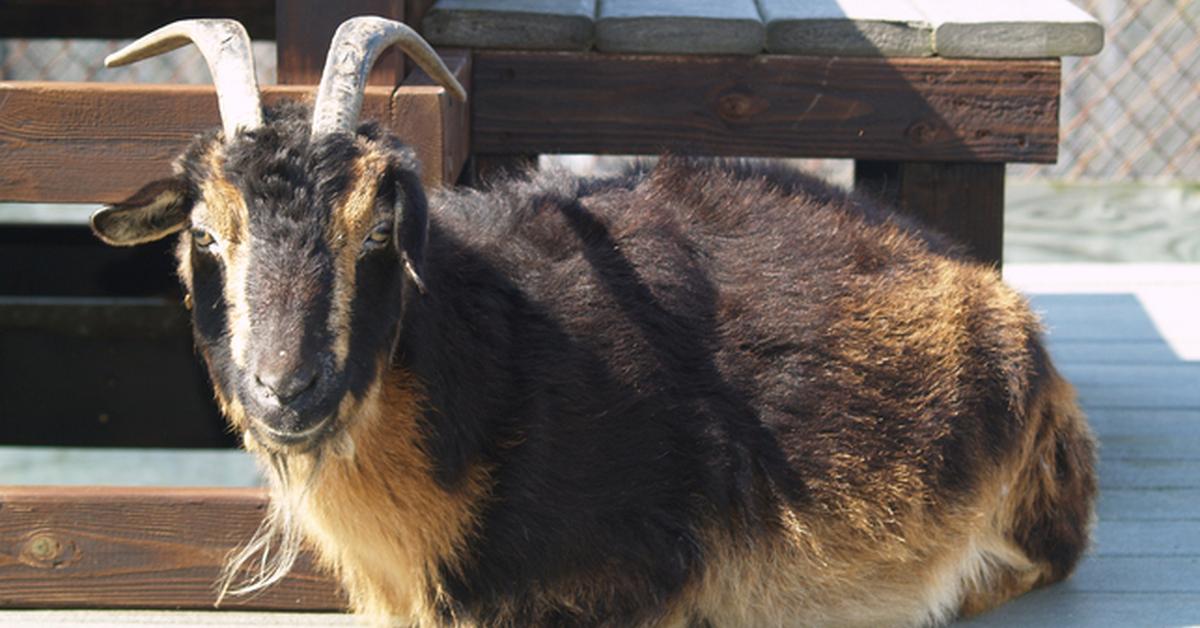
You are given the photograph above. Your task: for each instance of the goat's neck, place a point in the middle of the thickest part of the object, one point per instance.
(375, 511)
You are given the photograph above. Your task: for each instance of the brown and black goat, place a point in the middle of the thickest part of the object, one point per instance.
(698, 394)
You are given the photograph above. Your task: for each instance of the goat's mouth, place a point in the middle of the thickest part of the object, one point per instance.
(292, 441)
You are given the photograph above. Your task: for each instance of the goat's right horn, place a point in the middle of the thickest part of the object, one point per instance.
(356, 45)
(226, 48)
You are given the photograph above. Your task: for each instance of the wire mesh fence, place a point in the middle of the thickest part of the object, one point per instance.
(83, 60)
(1131, 113)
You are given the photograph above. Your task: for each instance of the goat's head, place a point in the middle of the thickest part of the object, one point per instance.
(299, 241)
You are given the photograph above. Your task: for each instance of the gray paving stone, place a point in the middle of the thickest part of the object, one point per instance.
(864, 28)
(519, 24)
(1013, 29)
(680, 26)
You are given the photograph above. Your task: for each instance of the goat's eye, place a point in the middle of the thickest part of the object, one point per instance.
(380, 235)
(202, 238)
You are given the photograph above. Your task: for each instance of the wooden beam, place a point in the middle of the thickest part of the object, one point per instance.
(414, 12)
(962, 200)
(304, 29)
(126, 19)
(903, 109)
(443, 148)
(95, 142)
(120, 547)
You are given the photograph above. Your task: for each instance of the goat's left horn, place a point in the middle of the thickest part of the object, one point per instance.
(226, 48)
(356, 46)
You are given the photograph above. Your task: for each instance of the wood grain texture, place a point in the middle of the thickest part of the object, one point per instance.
(119, 547)
(902, 109)
(126, 19)
(304, 28)
(443, 147)
(92, 142)
(964, 201)
(521, 24)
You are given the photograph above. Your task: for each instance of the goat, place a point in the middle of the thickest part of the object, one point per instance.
(700, 393)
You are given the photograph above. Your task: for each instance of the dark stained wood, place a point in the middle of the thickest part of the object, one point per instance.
(962, 200)
(442, 147)
(304, 29)
(94, 142)
(894, 109)
(414, 12)
(118, 19)
(119, 547)
(129, 364)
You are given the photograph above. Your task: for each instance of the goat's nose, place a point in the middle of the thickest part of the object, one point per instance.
(285, 385)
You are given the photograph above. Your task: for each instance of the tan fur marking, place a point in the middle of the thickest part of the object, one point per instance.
(352, 220)
(224, 212)
(376, 515)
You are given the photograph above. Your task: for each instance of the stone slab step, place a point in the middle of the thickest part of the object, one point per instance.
(515, 24)
(861, 28)
(1017, 29)
(679, 27)
(892, 28)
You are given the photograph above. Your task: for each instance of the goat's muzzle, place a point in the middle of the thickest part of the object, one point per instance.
(291, 405)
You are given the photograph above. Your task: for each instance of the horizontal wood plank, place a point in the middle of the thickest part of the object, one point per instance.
(903, 109)
(1141, 504)
(1133, 352)
(1147, 538)
(1149, 473)
(110, 547)
(1138, 574)
(95, 142)
(1062, 607)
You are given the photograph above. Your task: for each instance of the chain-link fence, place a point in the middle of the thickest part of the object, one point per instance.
(1131, 113)
(83, 60)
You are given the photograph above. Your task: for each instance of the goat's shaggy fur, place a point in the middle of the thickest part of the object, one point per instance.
(699, 393)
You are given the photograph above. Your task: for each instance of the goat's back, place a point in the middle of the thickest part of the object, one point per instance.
(737, 382)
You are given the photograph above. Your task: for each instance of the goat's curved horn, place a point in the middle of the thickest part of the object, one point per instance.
(357, 44)
(226, 48)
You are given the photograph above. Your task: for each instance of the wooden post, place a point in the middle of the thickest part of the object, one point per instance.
(414, 12)
(304, 28)
(962, 200)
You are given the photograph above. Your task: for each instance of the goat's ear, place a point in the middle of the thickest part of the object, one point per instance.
(152, 213)
(412, 225)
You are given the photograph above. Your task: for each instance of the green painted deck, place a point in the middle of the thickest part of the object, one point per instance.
(1127, 336)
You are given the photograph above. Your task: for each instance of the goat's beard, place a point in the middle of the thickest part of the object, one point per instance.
(272, 551)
